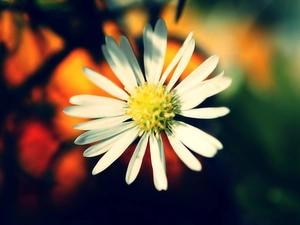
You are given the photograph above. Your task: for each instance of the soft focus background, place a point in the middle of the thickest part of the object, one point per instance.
(254, 180)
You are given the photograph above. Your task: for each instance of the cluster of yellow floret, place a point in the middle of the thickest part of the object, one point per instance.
(152, 107)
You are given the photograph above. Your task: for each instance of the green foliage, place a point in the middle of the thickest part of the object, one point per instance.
(263, 141)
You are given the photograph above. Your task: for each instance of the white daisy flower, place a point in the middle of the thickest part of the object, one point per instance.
(148, 105)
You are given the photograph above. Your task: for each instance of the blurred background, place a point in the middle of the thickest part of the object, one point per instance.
(254, 180)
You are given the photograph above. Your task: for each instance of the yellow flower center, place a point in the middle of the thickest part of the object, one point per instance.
(153, 108)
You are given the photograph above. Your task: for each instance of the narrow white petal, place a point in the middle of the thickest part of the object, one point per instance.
(159, 174)
(162, 152)
(116, 151)
(102, 146)
(184, 154)
(97, 149)
(147, 38)
(119, 63)
(209, 88)
(136, 159)
(197, 140)
(182, 63)
(102, 123)
(205, 113)
(159, 45)
(217, 87)
(176, 58)
(203, 134)
(95, 100)
(196, 93)
(105, 84)
(198, 75)
(93, 111)
(196, 84)
(127, 49)
(157, 185)
(100, 134)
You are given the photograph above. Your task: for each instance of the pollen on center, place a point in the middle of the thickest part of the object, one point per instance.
(152, 107)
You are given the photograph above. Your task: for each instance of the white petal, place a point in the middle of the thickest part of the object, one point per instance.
(157, 185)
(217, 87)
(102, 146)
(205, 113)
(209, 88)
(102, 123)
(105, 84)
(162, 152)
(136, 159)
(119, 63)
(198, 75)
(195, 85)
(184, 154)
(127, 49)
(100, 134)
(95, 100)
(182, 63)
(147, 38)
(196, 93)
(159, 174)
(159, 46)
(197, 140)
(116, 151)
(176, 59)
(205, 135)
(98, 149)
(93, 111)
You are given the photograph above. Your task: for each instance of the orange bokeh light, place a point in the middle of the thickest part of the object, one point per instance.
(37, 145)
(27, 48)
(70, 172)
